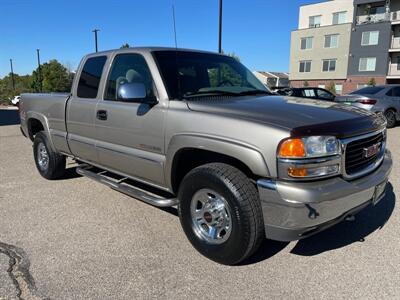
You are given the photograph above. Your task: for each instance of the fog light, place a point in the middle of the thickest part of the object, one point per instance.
(304, 172)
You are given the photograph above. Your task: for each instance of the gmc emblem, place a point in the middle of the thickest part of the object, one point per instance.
(372, 150)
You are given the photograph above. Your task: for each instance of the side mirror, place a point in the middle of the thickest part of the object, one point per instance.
(131, 91)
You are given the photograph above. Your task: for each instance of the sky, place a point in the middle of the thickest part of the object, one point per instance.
(258, 31)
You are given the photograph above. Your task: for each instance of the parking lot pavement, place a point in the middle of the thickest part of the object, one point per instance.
(78, 239)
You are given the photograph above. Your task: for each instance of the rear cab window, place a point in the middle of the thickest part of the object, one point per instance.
(90, 76)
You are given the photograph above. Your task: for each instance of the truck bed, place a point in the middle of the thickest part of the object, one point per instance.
(50, 110)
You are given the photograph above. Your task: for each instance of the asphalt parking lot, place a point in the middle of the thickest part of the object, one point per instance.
(77, 239)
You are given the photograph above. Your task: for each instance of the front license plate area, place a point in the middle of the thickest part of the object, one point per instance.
(379, 192)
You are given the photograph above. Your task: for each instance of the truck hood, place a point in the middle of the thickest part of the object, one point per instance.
(299, 115)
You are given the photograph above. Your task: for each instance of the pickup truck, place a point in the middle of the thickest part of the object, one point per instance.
(197, 130)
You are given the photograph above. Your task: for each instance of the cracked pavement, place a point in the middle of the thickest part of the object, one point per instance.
(83, 240)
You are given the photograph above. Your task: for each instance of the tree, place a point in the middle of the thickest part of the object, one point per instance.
(372, 82)
(331, 87)
(306, 84)
(22, 85)
(232, 54)
(55, 78)
(126, 45)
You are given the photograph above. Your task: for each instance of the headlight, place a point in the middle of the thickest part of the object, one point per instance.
(309, 157)
(309, 147)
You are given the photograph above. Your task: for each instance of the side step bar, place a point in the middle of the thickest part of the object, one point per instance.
(124, 187)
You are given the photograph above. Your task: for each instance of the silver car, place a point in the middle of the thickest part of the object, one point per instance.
(380, 99)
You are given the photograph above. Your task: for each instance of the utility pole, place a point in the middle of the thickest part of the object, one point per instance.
(12, 75)
(220, 28)
(39, 70)
(95, 37)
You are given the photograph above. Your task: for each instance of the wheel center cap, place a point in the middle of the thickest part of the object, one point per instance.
(208, 217)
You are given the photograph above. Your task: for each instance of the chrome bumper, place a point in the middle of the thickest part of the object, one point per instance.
(295, 210)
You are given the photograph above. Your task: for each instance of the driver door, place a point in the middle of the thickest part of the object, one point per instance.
(130, 135)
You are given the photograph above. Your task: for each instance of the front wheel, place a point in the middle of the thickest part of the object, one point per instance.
(49, 163)
(220, 212)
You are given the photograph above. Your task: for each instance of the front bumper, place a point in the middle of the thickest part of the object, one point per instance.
(295, 210)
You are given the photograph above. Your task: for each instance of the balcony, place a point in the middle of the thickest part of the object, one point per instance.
(395, 17)
(394, 70)
(374, 18)
(395, 45)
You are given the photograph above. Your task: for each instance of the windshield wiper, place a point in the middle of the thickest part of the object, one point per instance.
(225, 93)
(209, 93)
(254, 92)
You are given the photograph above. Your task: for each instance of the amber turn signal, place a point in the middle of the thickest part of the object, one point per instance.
(297, 172)
(292, 148)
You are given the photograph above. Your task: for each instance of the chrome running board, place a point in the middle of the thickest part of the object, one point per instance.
(122, 185)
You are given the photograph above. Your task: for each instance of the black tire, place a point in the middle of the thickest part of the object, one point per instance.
(55, 167)
(390, 116)
(242, 197)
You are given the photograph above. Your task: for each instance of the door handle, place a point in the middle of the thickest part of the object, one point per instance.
(101, 115)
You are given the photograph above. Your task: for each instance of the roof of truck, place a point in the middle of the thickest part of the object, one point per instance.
(147, 49)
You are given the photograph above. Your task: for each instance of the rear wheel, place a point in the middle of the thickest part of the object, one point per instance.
(220, 212)
(50, 164)
(390, 116)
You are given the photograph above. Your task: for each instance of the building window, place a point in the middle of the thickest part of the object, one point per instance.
(339, 18)
(306, 43)
(315, 21)
(367, 64)
(305, 66)
(329, 65)
(370, 38)
(339, 88)
(331, 41)
(361, 85)
(321, 86)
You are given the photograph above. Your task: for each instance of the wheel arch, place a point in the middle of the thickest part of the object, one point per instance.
(186, 152)
(37, 122)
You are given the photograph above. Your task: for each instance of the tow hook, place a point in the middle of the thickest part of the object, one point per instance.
(350, 218)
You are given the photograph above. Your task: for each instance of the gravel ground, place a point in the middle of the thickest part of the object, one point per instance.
(77, 239)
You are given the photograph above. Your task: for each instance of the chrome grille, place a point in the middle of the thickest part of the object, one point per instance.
(356, 160)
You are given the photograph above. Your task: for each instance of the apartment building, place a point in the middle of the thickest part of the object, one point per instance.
(348, 42)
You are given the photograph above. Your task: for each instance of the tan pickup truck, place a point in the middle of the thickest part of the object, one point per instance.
(197, 130)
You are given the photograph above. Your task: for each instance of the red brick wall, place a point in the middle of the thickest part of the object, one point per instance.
(349, 85)
(352, 82)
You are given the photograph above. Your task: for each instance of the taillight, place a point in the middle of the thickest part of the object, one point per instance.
(367, 101)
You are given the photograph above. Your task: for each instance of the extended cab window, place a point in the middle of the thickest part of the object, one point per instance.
(90, 77)
(128, 68)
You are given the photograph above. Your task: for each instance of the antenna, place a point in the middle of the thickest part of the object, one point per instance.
(176, 56)
(173, 17)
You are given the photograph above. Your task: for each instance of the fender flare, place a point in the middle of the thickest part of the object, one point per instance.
(248, 155)
(42, 119)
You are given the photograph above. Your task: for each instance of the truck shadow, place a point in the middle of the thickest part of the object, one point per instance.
(345, 233)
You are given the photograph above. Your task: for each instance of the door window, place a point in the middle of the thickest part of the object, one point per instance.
(89, 81)
(324, 95)
(394, 92)
(128, 68)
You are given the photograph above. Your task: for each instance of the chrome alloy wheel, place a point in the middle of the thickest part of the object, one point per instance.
(211, 216)
(42, 157)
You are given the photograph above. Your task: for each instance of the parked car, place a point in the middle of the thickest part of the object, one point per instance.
(308, 92)
(378, 99)
(198, 130)
(15, 100)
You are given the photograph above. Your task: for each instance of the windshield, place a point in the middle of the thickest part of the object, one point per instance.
(193, 74)
(370, 90)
